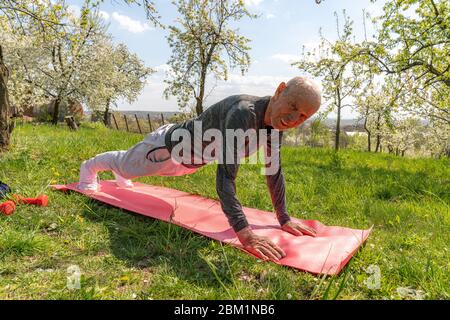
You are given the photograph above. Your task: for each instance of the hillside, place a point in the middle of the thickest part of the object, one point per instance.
(125, 256)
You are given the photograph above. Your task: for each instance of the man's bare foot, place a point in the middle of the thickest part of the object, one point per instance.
(122, 182)
(88, 180)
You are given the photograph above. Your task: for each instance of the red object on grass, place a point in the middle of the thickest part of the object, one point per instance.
(327, 253)
(41, 200)
(7, 207)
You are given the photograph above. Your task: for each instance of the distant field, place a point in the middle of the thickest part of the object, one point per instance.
(153, 114)
(125, 256)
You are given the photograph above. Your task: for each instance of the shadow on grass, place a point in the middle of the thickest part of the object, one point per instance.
(149, 244)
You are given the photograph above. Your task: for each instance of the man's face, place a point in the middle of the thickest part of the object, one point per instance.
(286, 113)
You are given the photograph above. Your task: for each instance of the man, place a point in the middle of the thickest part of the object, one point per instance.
(159, 153)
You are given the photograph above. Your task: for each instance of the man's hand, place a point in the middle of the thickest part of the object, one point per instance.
(259, 245)
(298, 229)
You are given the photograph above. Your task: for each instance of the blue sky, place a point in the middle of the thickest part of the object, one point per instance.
(278, 35)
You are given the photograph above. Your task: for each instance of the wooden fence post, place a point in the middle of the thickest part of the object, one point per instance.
(149, 122)
(126, 122)
(137, 121)
(162, 118)
(115, 121)
(108, 119)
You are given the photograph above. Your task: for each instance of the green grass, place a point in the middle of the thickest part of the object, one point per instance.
(126, 256)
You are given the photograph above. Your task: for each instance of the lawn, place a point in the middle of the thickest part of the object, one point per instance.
(125, 256)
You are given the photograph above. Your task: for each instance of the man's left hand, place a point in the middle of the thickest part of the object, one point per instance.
(298, 229)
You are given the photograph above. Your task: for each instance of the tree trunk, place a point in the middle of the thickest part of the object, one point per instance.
(107, 115)
(338, 129)
(199, 105)
(5, 125)
(378, 145)
(369, 147)
(338, 119)
(56, 110)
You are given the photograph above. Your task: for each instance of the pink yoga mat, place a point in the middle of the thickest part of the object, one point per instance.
(327, 253)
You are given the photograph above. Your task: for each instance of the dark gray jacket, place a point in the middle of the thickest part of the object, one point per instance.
(236, 112)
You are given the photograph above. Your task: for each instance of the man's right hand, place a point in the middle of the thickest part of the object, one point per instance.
(259, 245)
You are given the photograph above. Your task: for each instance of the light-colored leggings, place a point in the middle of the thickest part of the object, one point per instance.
(149, 157)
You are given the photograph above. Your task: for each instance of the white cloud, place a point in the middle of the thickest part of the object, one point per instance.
(263, 85)
(253, 2)
(151, 97)
(104, 15)
(311, 45)
(163, 68)
(270, 16)
(163, 72)
(375, 9)
(286, 58)
(246, 80)
(127, 23)
(74, 9)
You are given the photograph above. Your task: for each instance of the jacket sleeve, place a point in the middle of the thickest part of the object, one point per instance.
(238, 118)
(274, 176)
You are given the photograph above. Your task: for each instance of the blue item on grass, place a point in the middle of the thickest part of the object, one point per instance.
(4, 189)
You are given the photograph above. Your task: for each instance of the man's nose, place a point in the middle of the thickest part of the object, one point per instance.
(299, 120)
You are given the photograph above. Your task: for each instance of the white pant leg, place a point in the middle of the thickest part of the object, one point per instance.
(133, 163)
(137, 161)
(101, 162)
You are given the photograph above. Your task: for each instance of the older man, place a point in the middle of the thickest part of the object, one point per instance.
(159, 153)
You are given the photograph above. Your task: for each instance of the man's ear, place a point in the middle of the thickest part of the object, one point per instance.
(280, 89)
